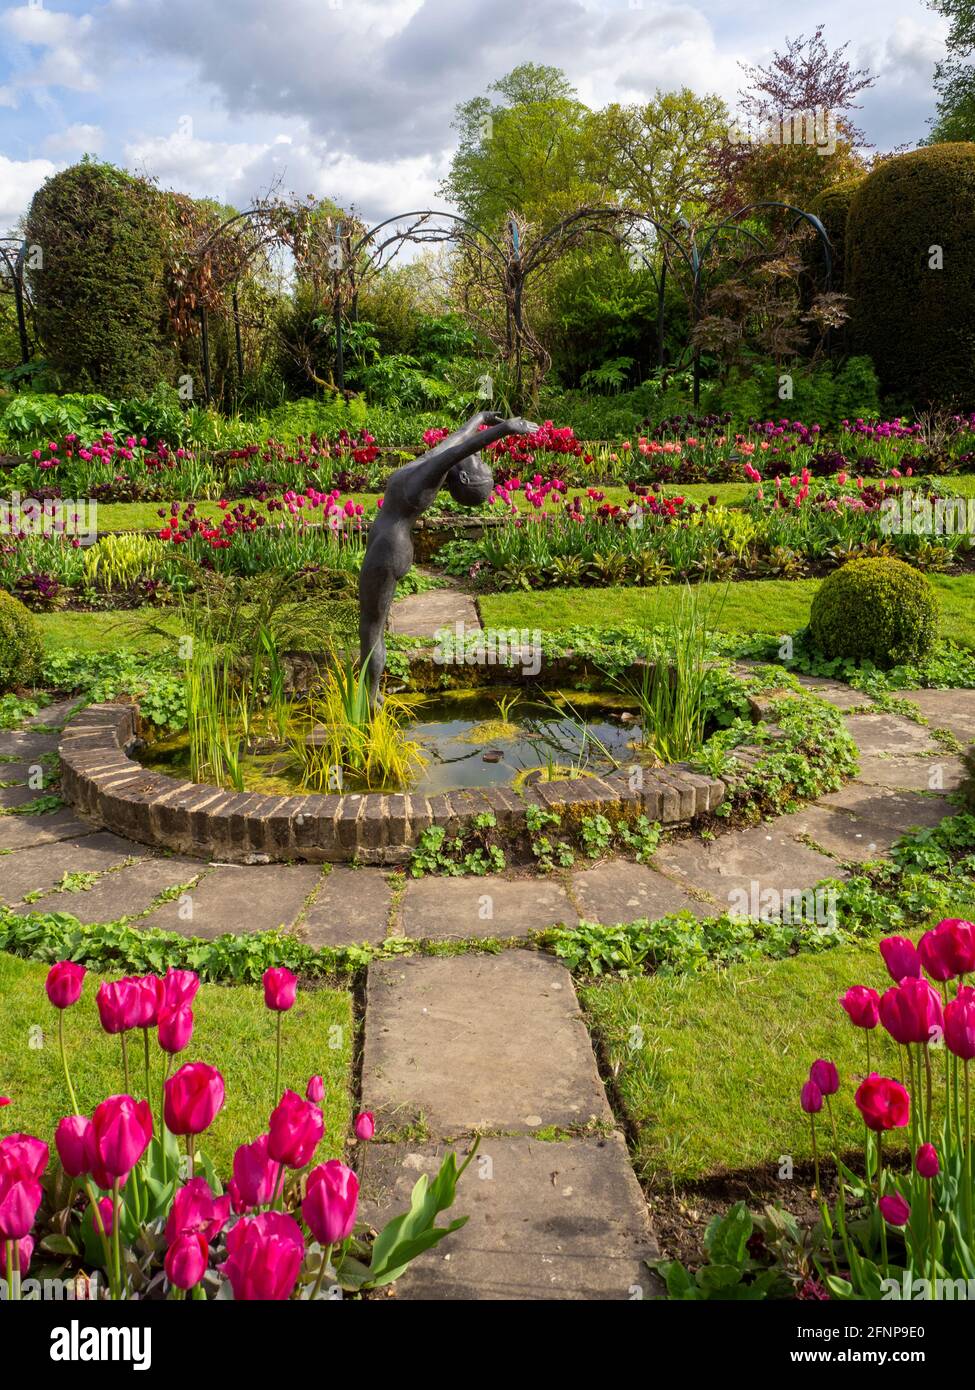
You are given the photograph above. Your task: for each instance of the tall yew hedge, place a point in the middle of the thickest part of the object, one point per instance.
(915, 321)
(99, 291)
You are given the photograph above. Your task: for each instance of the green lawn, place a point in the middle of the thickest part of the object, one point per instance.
(756, 605)
(233, 1031)
(712, 1084)
(106, 632)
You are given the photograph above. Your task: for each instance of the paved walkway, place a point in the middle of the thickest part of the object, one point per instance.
(493, 1043)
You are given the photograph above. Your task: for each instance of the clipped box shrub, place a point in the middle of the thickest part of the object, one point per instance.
(878, 610)
(832, 207)
(20, 644)
(916, 322)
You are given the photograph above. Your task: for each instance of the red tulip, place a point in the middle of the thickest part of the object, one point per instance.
(862, 1005)
(948, 950)
(826, 1077)
(264, 1257)
(187, 1259)
(255, 1175)
(900, 958)
(179, 988)
(63, 983)
(911, 1012)
(960, 1025)
(175, 1028)
(296, 1129)
(118, 1005)
(74, 1139)
(315, 1090)
(4, 1100)
(331, 1201)
(280, 987)
(926, 1161)
(895, 1210)
(811, 1098)
(196, 1209)
(883, 1103)
(25, 1250)
(194, 1097)
(122, 1129)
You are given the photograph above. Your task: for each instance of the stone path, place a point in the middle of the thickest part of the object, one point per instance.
(494, 1043)
(423, 615)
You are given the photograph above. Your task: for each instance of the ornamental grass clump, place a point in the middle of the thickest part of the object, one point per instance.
(131, 1218)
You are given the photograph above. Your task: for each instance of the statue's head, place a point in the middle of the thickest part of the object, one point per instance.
(470, 482)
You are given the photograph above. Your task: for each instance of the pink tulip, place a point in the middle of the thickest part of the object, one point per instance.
(826, 1077)
(255, 1175)
(179, 988)
(122, 1129)
(900, 958)
(196, 1209)
(194, 1098)
(331, 1202)
(175, 1028)
(106, 1210)
(22, 1161)
(280, 987)
(264, 1257)
(365, 1125)
(948, 950)
(895, 1210)
(911, 1011)
(25, 1249)
(296, 1129)
(25, 1154)
(960, 1025)
(74, 1139)
(811, 1098)
(118, 1005)
(187, 1259)
(63, 983)
(149, 992)
(862, 1006)
(883, 1103)
(315, 1090)
(926, 1162)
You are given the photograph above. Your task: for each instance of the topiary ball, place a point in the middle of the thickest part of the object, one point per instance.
(20, 643)
(878, 610)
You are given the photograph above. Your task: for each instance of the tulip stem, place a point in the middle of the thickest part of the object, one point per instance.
(145, 1048)
(326, 1257)
(64, 1063)
(189, 1155)
(125, 1065)
(162, 1120)
(968, 1153)
(827, 1224)
(880, 1193)
(11, 1285)
(927, 1072)
(277, 1065)
(116, 1237)
(96, 1213)
(839, 1174)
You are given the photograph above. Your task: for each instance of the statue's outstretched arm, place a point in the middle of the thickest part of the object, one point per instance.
(431, 469)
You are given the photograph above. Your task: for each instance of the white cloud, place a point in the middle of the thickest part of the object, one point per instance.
(75, 140)
(19, 180)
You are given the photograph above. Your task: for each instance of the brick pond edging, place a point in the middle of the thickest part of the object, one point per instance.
(102, 781)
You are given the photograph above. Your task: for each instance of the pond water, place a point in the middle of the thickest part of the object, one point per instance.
(472, 738)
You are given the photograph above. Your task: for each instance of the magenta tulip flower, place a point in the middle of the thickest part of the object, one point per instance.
(826, 1077)
(315, 1090)
(960, 1025)
(255, 1175)
(194, 1098)
(331, 1202)
(196, 1209)
(106, 1210)
(811, 1098)
(894, 1209)
(118, 1005)
(883, 1103)
(74, 1140)
(911, 1012)
(179, 988)
(122, 1129)
(149, 995)
(64, 982)
(295, 1131)
(187, 1259)
(280, 988)
(862, 1006)
(365, 1125)
(949, 949)
(901, 958)
(175, 1029)
(926, 1162)
(264, 1257)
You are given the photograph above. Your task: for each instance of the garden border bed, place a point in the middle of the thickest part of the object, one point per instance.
(102, 781)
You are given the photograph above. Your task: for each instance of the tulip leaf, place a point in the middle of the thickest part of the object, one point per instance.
(59, 1245)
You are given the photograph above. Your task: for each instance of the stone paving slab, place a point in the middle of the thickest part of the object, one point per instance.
(940, 771)
(125, 893)
(750, 861)
(443, 908)
(26, 745)
(836, 829)
(240, 898)
(947, 709)
(350, 907)
(43, 866)
(622, 892)
(546, 1221)
(891, 734)
(842, 696)
(889, 813)
(11, 797)
(423, 615)
(21, 832)
(478, 1042)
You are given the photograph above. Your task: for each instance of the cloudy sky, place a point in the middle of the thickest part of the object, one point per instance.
(352, 99)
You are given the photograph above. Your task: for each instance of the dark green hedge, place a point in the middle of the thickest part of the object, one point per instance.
(832, 208)
(916, 323)
(99, 291)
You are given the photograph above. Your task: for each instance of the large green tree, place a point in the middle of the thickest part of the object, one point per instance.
(954, 77)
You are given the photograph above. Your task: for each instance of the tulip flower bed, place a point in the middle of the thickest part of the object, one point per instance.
(124, 1203)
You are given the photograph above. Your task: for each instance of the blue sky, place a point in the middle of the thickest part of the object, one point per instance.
(352, 99)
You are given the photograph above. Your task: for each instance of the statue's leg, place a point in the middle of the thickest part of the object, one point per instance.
(376, 590)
